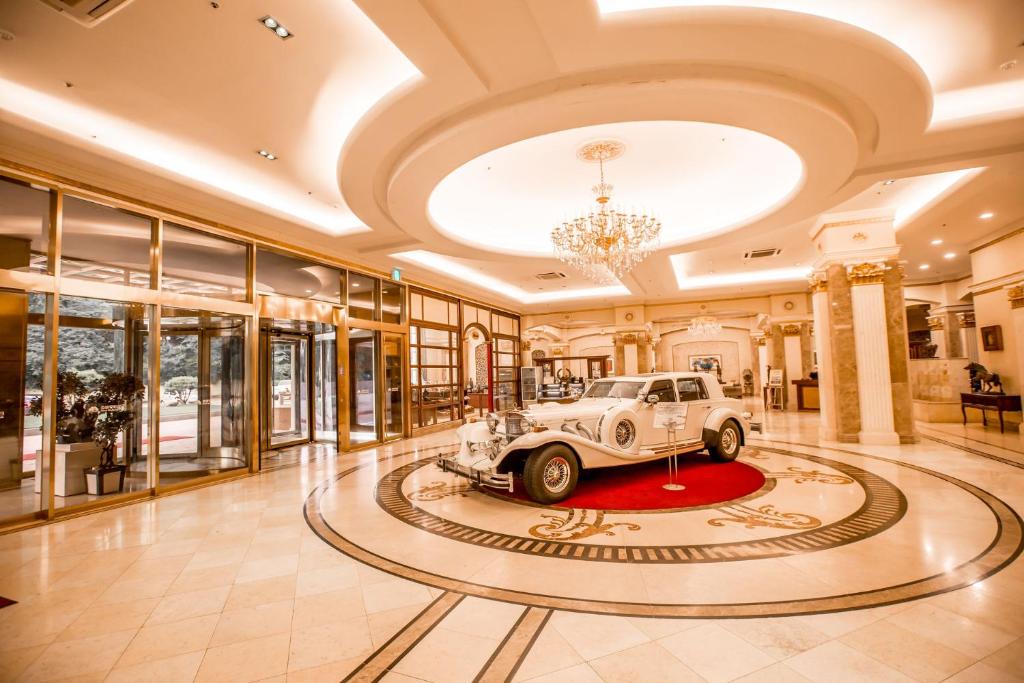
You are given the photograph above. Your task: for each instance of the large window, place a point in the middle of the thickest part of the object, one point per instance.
(103, 244)
(278, 273)
(434, 359)
(24, 226)
(203, 265)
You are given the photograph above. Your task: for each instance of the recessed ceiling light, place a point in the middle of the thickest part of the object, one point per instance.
(924, 266)
(936, 242)
(890, 181)
(985, 216)
(309, 291)
(355, 284)
(274, 25)
(949, 255)
(269, 156)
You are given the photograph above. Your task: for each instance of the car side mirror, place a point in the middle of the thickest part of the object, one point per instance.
(652, 398)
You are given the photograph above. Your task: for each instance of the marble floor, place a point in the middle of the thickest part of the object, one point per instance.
(853, 563)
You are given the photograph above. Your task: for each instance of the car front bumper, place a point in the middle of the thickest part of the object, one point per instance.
(479, 477)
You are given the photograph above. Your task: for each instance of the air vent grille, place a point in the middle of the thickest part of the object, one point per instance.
(553, 275)
(761, 253)
(87, 12)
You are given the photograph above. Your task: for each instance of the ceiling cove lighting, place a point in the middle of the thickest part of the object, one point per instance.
(985, 216)
(196, 163)
(739, 278)
(274, 25)
(452, 268)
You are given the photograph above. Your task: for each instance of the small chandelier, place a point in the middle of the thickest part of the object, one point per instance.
(606, 242)
(704, 326)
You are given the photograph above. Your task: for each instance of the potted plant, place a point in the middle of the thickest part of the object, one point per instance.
(116, 401)
(76, 418)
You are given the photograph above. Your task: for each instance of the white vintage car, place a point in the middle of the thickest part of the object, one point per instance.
(612, 424)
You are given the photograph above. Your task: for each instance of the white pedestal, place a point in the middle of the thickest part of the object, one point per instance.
(72, 459)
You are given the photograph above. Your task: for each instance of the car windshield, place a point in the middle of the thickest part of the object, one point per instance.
(614, 390)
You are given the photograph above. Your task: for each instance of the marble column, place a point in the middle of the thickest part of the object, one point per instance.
(899, 353)
(756, 343)
(778, 359)
(872, 352)
(1015, 295)
(968, 335)
(827, 429)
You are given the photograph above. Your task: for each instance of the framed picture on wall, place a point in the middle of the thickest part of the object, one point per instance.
(992, 338)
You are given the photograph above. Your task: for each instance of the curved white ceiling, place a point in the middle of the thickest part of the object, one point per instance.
(697, 178)
(967, 81)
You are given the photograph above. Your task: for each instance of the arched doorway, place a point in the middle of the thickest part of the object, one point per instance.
(477, 364)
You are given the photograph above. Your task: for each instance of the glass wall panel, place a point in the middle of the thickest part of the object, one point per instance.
(289, 355)
(394, 423)
(362, 296)
(104, 244)
(24, 226)
(392, 302)
(203, 265)
(203, 413)
(101, 400)
(287, 275)
(325, 371)
(21, 365)
(362, 361)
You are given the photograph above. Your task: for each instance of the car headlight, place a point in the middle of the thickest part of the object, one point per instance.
(492, 422)
(747, 415)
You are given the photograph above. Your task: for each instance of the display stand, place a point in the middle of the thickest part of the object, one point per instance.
(673, 462)
(672, 417)
(776, 391)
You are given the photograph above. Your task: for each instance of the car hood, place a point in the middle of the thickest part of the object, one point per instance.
(547, 413)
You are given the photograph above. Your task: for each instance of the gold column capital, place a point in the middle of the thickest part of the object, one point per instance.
(1016, 296)
(818, 283)
(936, 322)
(966, 319)
(865, 273)
(791, 329)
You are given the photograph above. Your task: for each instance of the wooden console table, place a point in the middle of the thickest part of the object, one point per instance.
(999, 402)
(807, 396)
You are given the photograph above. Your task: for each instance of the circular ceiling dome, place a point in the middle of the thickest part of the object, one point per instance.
(697, 178)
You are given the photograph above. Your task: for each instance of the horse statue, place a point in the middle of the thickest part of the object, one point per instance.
(984, 381)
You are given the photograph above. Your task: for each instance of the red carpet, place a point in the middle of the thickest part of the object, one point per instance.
(5, 602)
(638, 487)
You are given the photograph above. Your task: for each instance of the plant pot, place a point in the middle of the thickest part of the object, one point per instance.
(100, 481)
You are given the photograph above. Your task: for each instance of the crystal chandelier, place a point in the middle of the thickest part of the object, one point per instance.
(606, 242)
(704, 326)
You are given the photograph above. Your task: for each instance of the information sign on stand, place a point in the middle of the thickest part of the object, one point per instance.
(775, 378)
(671, 416)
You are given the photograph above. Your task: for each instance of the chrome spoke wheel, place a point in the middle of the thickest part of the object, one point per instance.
(729, 440)
(556, 474)
(625, 432)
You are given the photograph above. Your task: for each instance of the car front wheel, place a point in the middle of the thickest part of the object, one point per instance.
(550, 474)
(727, 445)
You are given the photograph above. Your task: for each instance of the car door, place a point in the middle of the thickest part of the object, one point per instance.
(693, 392)
(655, 437)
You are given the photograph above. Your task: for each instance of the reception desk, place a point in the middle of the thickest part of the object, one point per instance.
(807, 397)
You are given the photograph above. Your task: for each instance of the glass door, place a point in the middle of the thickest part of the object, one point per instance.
(289, 389)
(362, 377)
(394, 371)
(325, 383)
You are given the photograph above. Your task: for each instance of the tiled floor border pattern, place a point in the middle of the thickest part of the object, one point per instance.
(884, 505)
(1005, 547)
(502, 665)
(975, 451)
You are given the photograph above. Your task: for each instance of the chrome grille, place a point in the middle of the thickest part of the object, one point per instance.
(515, 424)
